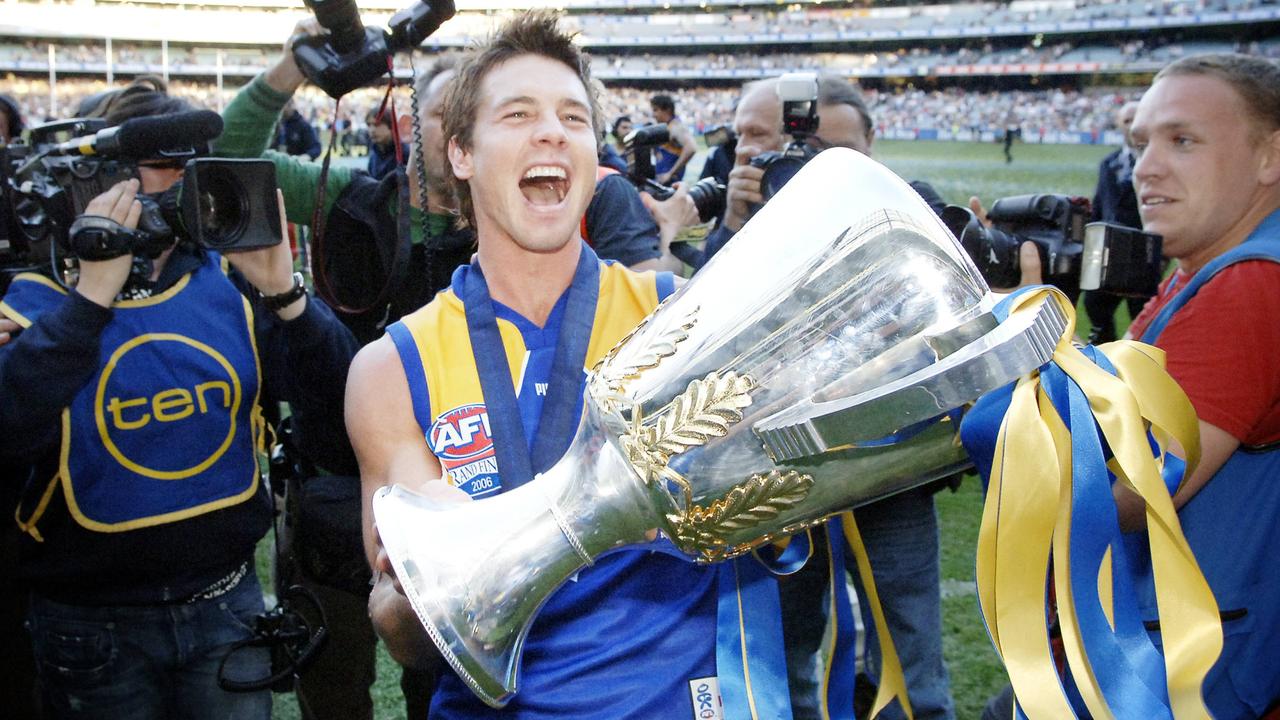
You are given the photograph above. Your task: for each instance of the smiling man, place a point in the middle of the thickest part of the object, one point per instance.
(509, 341)
(1207, 138)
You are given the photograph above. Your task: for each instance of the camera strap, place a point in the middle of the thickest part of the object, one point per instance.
(94, 237)
(399, 268)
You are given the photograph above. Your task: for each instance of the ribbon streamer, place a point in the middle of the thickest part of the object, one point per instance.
(1064, 436)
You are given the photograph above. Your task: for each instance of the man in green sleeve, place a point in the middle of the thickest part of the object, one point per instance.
(362, 228)
(360, 214)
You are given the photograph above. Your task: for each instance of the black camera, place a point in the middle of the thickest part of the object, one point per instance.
(799, 94)
(222, 204)
(636, 148)
(708, 194)
(351, 54)
(1055, 223)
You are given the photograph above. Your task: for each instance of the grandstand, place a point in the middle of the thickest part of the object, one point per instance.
(962, 67)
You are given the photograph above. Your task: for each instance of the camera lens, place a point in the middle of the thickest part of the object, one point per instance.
(223, 207)
(708, 197)
(778, 173)
(342, 19)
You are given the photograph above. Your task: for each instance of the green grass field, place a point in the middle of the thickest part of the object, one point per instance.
(957, 170)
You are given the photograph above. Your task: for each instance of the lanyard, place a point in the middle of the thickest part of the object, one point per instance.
(556, 427)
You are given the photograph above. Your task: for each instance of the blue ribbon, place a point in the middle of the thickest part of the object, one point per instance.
(517, 463)
(842, 664)
(1129, 671)
(750, 659)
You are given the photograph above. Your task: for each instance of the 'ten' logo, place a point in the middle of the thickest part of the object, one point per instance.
(136, 417)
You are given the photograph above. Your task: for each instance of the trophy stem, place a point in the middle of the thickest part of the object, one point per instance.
(477, 573)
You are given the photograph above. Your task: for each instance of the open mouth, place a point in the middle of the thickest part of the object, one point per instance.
(545, 185)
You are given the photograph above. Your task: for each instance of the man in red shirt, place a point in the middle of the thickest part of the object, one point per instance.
(1207, 139)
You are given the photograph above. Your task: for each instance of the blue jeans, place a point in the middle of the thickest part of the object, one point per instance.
(901, 537)
(159, 661)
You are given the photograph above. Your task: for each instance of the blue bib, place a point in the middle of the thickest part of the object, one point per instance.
(167, 427)
(632, 636)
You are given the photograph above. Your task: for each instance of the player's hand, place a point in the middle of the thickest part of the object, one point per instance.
(101, 280)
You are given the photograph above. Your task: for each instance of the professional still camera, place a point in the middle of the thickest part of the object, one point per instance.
(221, 204)
(708, 194)
(352, 55)
(1075, 254)
(799, 94)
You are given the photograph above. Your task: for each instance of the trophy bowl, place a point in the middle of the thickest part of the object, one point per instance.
(819, 362)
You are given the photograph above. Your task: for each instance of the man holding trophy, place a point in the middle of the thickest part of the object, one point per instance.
(532, 310)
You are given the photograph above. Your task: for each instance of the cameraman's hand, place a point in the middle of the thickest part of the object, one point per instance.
(743, 188)
(676, 212)
(7, 329)
(1028, 256)
(284, 76)
(270, 269)
(101, 280)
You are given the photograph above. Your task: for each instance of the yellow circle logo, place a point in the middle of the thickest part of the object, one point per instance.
(181, 402)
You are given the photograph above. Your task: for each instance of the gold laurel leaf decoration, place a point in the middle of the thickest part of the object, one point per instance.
(760, 498)
(704, 411)
(615, 380)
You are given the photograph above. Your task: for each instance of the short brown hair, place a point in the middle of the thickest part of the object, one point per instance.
(536, 32)
(1256, 79)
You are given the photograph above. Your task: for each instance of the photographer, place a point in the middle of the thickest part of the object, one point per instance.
(901, 532)
(1207, 139)
(138, 396)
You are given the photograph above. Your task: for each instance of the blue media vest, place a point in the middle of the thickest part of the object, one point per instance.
(167, 427)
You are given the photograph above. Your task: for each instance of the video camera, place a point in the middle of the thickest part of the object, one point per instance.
(708, 194)
(799, 94)
(1074, 254)
(351, 54)
(221, 204)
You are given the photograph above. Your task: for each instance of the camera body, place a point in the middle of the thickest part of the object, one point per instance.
(1075, 254)
(799, 95)
(221, 204)
(1055, 223)
(708, 194)
(351, 54)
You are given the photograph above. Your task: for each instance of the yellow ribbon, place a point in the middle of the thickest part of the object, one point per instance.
(1028, 512)
(893, 683)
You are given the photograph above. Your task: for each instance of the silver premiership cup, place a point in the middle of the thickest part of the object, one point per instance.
(820, 361)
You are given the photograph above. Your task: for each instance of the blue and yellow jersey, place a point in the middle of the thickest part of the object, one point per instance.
(167, 427)
(632, 636)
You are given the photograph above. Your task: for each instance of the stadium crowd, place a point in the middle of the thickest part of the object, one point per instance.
(899, 113)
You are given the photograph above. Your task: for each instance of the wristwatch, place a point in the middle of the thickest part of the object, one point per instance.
(288, 297)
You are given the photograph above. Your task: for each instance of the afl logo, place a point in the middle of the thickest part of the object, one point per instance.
(464, 444)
